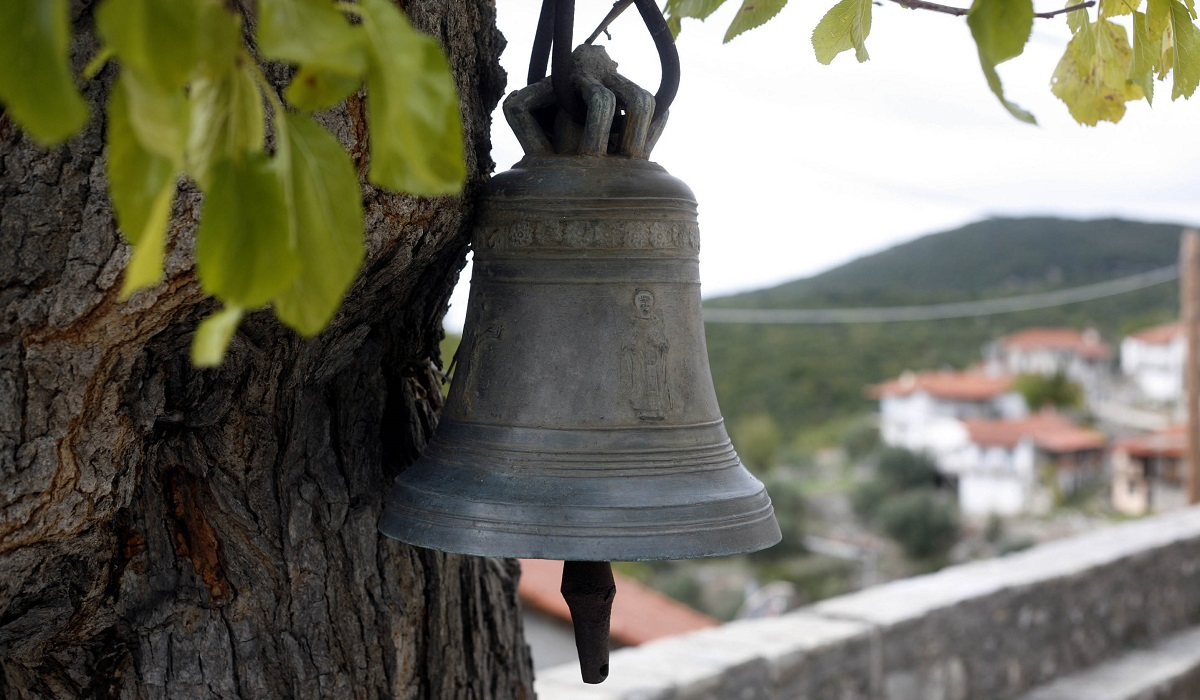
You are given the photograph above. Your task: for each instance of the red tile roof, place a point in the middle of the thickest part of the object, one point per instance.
(1160, 335)
(1171, 443)
(1048, 430)
(957, 386)
(639, 614)
(1084, 343)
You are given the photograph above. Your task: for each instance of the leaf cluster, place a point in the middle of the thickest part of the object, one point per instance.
(281, 225)
(1100, 69)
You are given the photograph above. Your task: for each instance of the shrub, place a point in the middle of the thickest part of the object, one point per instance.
(859, 439)
(901, 469)
(1054, 391)
(867, 496)
(788, 501)
(757, 439)
(922, 521)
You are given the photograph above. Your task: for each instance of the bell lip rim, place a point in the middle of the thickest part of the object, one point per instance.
(564, 548)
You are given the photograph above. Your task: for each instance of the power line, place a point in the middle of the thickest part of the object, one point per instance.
(938, 312)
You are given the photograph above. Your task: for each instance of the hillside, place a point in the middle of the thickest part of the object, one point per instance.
(806, 375)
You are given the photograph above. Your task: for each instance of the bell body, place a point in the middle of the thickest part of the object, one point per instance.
(582, 423)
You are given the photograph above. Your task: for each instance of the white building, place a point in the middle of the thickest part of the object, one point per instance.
(1019, 465)
(1079, 355)
(1150, 472)
(1153, 360)
(919, 410)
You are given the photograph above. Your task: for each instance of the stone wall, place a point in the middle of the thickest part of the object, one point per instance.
(986, 630)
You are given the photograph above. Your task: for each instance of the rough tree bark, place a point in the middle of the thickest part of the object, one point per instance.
(167, 532)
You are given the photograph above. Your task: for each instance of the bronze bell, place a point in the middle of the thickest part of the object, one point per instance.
(582, 423)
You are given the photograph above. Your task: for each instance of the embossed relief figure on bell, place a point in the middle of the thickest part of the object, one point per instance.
(646, 376)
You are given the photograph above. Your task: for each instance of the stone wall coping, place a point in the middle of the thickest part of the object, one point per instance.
(916, 597)
(695, 665)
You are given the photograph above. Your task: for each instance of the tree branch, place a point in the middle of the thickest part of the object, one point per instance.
(932, 7)
(960, 11)
(1072, 8)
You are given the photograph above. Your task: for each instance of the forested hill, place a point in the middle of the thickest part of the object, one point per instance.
(803, 375)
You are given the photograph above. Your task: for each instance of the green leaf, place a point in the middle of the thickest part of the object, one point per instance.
(244, 249)
(155, 38)
(1091, 77)
(310, 33)
(1115, 8)
(698, 9)
(227, 121)
(846, 26)
(315, 35)
(314, 88)
(36, 85)
(1158, 16)
(1147, 50)
(1187, 51)
(159, 115)
(323, 191)
(753, 13)
(675, 25)
(213, 336)
(1001, 29)
(142, 186)
(220, 39)
(1077, 19)
(412, 107)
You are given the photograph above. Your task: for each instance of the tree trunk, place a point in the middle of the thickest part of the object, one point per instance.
(167, 532)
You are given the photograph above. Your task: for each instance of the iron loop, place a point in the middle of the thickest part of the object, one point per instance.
(553, 41)
(560, 62)
(542, 40)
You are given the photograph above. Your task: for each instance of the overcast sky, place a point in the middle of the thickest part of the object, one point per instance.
(800, 167)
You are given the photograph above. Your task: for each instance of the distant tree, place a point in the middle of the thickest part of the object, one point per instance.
(866, 497)
(788, 501)
(903, 469)
(758, 438)
(1054, 391)
(897, 471)
(924, 522)
(860, 439)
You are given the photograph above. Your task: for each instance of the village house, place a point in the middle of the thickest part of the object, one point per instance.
(639, 614)
(919, 410)
(1153, 362)
(1020, 465)
(1078, 355)
(1148, 472)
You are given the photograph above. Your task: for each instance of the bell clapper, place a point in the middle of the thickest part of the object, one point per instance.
(589, 589)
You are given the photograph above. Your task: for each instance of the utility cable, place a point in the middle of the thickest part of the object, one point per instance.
(938, 312)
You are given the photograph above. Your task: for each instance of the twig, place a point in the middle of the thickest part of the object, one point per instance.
(960, 11)
(931, 6)
(1072, 8)
(618, 7)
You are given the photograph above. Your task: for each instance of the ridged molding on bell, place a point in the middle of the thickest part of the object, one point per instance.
(582, 423)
